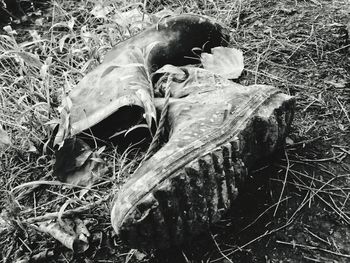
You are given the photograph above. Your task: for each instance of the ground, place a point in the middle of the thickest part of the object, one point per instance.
(294, 209)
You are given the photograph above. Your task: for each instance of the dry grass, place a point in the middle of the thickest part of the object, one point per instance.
(299, 46)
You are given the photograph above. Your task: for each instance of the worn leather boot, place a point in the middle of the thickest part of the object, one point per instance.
(118, 94)
(218, 130)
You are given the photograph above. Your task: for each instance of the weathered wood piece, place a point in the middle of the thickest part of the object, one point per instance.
(219, 129)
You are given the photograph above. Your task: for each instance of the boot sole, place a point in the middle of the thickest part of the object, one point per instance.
(199, 187)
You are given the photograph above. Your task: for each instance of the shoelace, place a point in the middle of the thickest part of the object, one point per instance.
(160, 128)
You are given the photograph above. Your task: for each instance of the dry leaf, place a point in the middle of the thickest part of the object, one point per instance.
(339, 85)
(32, 148)
(100, 11)
(39, 21)
(9, 30)
(156, 17)
(224, 61)
(4, 138)
(62, 41)
(289, 141)
(5, 222)
(30, 59)
(35, 35)
(77, 242)
(139, 255)
(77, 164)
(81, 229)
(131, 18)
(85, 34)
(73, 164)
(43, 256)
(71, 23)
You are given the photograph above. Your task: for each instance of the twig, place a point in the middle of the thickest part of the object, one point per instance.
(239, 14)
(222, 253)
(269, 75)
(185, 257)
(317, 237)
(24, 244)
(316, 193)
(42, 182)
(313, 248)
(339, 212)
(301, 44)
(258, 62)
(264, 212)
(55, 215)
(347, 46)
(295, 172)
(323, 159)
(9, 251)
(345, 201)
(307, 199)
(313, 259)
(267, 233)
(343, 109)
(284, 183)
(303, 186)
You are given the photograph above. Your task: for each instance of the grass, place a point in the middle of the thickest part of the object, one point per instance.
(301, 214)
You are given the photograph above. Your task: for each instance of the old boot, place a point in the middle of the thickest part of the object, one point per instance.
(118, 94)
(122, 82)
(219, 129)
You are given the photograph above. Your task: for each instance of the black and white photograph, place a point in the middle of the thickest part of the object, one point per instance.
(185, 131)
